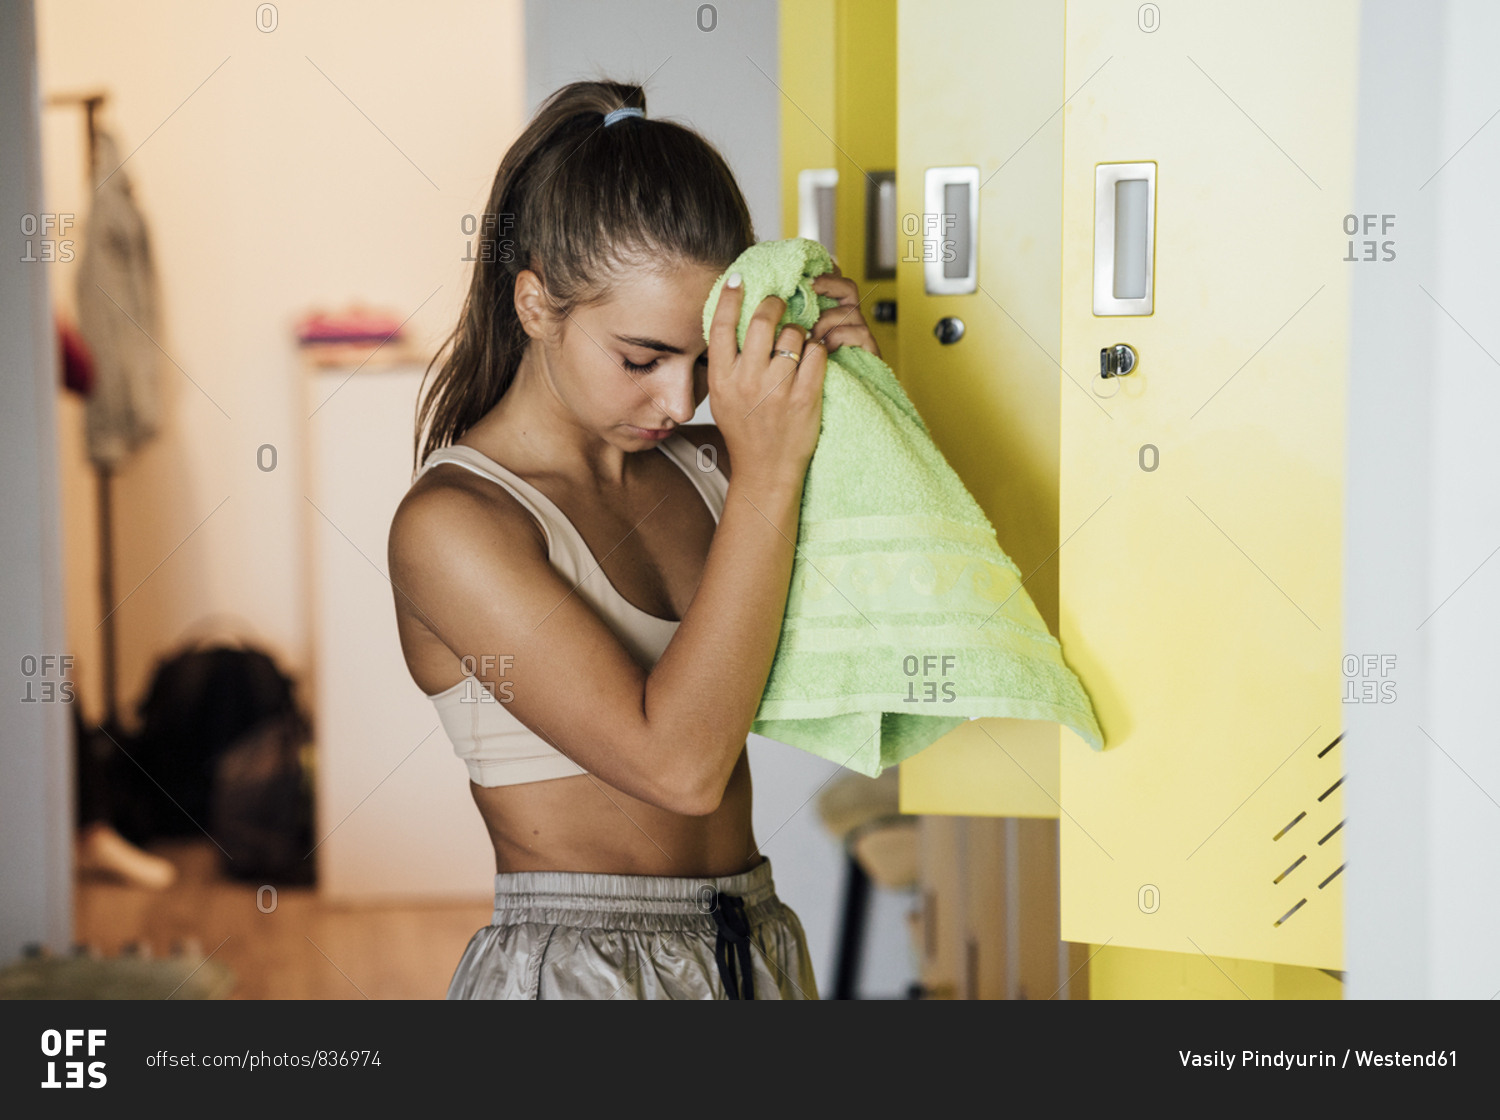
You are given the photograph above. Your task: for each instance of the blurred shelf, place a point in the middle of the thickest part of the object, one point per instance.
(369, 356)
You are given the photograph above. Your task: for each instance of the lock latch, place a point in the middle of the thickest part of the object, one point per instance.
(1116, 361)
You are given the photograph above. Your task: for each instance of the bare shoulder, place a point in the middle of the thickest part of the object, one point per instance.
(708, 435)
(451, 518)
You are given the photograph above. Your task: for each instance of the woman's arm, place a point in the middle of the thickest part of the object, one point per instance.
(670, 737)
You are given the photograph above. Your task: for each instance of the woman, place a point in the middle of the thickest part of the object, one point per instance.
(591, 590)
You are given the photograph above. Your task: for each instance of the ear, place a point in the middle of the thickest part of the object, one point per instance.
(533, 307)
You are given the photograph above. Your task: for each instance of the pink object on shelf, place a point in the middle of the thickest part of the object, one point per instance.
(356, 324)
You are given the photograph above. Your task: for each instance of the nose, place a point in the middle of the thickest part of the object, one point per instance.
(680, 400)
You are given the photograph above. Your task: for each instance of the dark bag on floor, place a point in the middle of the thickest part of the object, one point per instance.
(220, 751)
(260, 804)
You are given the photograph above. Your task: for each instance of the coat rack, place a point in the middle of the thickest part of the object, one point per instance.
(91, 103)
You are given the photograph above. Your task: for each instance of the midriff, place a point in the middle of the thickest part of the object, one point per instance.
(582, 824)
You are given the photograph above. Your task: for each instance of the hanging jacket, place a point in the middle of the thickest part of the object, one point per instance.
(118, 316)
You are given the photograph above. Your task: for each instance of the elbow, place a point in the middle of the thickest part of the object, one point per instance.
(698, 794)
(703, 801)
(688, 782)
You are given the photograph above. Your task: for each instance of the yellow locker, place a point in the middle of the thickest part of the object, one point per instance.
(1196, 541)
(979, 86)
(1201, 493)
(807, 80)
(975, 79)
(1120, 973)
(838, 113)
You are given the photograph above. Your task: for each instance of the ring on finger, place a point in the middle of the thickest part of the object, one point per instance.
(792, 354)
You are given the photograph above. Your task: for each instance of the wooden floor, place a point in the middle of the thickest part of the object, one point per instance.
(303, 949)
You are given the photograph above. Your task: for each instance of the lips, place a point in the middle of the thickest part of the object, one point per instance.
(651, 433)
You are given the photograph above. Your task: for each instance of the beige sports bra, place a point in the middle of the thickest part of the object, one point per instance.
(498, 748)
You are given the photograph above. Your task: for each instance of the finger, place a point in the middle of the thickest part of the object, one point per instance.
(835, 318)
(763, 325)
(845, 291)
(811, 369)
(793, 336)
(722, 345)
(849, 336)
(792, 339)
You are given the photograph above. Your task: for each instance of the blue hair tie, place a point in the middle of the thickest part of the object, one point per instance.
(620, 114)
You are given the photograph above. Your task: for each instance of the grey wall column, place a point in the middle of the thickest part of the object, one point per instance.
(1422, 587)
(36, 772)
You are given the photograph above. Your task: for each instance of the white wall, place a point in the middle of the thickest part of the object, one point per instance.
(396, 820)
(1422, 903)
(330, 159)
(36, 789)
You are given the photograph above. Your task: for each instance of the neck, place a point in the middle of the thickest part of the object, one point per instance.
(540, 432)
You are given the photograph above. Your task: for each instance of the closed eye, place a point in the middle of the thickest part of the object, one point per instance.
(652, 364)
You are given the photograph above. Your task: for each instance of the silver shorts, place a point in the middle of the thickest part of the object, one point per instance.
(567, 935)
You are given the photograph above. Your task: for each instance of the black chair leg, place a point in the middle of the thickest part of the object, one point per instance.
(852, 929)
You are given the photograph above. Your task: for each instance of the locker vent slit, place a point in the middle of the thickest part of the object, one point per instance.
(1288, 826)
(1290, 912)
(1296, 864)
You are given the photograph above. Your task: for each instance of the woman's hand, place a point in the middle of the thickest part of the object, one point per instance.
(768, 405)
(842, 325)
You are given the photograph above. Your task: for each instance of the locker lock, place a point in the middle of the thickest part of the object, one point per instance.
(949, 330)
(1116, 361)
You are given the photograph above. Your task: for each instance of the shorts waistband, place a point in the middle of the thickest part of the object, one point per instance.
(586, 898)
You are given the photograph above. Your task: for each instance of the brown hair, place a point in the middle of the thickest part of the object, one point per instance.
(575, 202)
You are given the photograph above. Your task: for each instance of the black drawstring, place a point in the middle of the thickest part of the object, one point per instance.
(733, 941)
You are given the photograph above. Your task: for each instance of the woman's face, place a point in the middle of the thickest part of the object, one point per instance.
(634, 366)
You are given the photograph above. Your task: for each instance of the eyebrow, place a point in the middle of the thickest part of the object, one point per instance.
(650, 344)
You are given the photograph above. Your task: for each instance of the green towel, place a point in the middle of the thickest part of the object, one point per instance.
(904, 616)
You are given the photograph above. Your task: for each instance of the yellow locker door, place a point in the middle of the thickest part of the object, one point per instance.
(838, 115)
(1201, 494)
(980, 82)
(979, 86)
